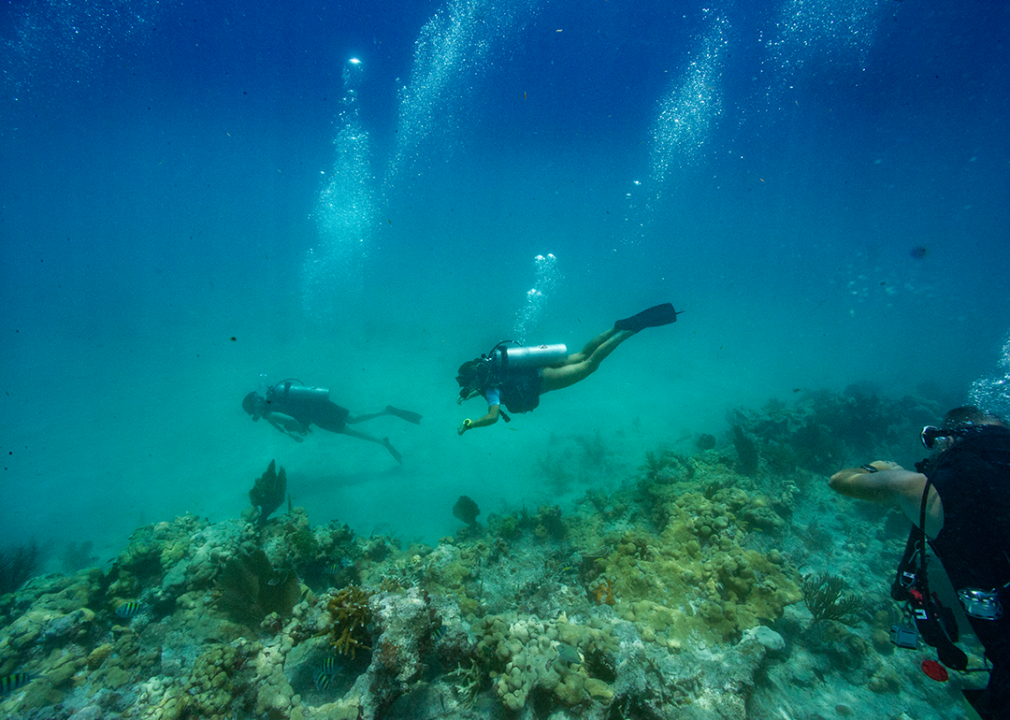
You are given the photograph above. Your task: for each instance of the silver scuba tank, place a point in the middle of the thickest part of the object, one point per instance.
(294, 391)
(533, 356)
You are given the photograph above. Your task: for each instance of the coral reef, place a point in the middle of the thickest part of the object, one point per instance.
(822, 431)
(526, 654)
(677, 594)
(290, 542)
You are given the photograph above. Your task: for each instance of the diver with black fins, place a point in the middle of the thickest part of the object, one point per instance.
(293, 407)
(517, 376)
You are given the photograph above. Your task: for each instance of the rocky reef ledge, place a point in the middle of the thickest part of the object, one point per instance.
(414, 632)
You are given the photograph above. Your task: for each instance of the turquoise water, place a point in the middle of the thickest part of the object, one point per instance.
(197, 198)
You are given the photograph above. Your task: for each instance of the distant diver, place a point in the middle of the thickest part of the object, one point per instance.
(293, 407)
(516, 377)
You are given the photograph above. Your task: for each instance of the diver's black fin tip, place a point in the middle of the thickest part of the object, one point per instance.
(653, 317)
(411, 417)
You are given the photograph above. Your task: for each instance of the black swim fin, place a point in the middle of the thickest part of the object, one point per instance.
(411, 417)
(392, 450)
(653, 317)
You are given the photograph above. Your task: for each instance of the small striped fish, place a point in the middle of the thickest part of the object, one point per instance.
(337, 567)
(129, 609)
(323, 680)
(330, 666)
(13, 682)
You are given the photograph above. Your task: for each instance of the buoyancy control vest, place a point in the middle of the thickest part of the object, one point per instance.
(520, 390)
(516, 371)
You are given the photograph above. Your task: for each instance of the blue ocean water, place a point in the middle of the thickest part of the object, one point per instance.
(198, 199)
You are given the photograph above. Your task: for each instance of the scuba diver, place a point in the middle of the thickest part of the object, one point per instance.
(516, 377)
(292, 407)
(959, 503)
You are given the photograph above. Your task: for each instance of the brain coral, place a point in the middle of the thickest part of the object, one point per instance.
(696, 577)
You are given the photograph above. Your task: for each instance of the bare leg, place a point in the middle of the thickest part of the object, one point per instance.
(590, 347)
(581, 365)
(352, 419)
(371, 438)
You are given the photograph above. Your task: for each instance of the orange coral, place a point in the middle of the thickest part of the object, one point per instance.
(603, 594)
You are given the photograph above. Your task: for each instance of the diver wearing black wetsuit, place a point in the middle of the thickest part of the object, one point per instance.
(973, 480)
(292, 408)
(960, 501)
(308, 406)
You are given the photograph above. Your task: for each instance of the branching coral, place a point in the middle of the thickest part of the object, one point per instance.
(467, 681)
(595, 453)
(826, 599)
(16, 566)
(351, 616)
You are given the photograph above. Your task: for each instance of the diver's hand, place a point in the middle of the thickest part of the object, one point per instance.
(885, 465)
(467, 424)
(877, 466)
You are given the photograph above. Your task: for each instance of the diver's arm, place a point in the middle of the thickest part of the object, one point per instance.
(875, 482)
(490, 419)
(287, 425)
(894, 485)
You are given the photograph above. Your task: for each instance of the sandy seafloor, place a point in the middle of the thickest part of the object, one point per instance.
(200, 199)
